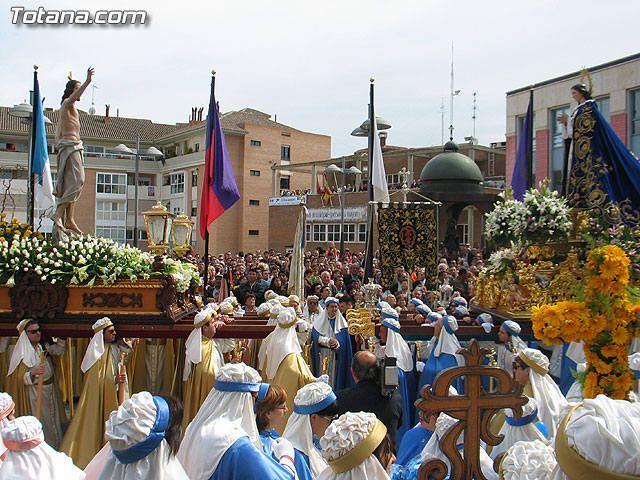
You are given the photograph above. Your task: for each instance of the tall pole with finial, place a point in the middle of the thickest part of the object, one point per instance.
(453, 93)
(205, 280)
(32, 148)
(368, 259)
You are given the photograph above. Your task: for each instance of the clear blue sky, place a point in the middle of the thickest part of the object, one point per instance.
(310, 62)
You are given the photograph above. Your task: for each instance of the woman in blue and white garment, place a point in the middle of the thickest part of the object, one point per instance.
(526, 428)
(315, 407)
(396, 347)
(443, 355)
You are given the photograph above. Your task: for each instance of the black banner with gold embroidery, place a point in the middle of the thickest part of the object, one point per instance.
(408, 237)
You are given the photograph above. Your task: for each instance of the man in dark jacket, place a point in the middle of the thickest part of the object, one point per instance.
(366, 396)
(251, 285)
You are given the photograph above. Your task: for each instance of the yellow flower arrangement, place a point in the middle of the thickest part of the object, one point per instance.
(604, 319)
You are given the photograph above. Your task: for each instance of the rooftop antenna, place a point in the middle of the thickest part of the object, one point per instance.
(92, 110)
(473, 117)
(442, 120)
(453, 94)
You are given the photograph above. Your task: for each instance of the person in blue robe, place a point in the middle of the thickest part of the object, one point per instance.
(222, 441)
(602, 172)
(414, 441)
(396, 347)
(270, 408)
(442, 355)
(315, 407)
(331, 342)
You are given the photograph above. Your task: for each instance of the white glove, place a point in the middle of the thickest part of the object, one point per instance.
(283, 451)
(323, 378)
(302, 326)
(419, 367)
(324, 341)
(426, 325)
(487, 327)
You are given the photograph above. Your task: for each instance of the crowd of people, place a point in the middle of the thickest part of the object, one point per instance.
(307, 401)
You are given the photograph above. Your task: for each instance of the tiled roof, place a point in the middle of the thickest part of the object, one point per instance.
(236, 119)
(122, 128)
(94, 126)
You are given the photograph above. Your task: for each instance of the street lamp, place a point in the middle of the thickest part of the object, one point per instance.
(158, 222)
(351, 170)
(151, 151)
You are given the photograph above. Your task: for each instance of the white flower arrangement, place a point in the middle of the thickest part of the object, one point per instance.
(507, 219)
(84, 261)
(547, 215)
(543, 216)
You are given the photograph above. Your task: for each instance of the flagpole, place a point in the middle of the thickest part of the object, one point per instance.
(530, 172)
(206, 238)
(368, 259)
(32, 141)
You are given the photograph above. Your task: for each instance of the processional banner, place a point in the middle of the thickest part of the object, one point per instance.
(408, 236)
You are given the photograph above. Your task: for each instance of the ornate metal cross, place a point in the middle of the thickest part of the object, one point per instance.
(474, 411)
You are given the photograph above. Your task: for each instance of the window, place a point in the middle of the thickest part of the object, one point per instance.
(254, 202)
(93, 151)
(256, 143)
(194, 178)
(349, 232)
(196, 147)
(254, 233)
(362, 232)
(635, 122)
(109, 212)
(112, 183)
(393, 178)
(556, 155)
(308, 232)
(194, 211)
(115, 233)
(254, 173)
(285, 182)
(604, 106)
(177, 183)
(491, 165)
(166, 180)
(319, 232)
(333, 232)
(285, 153)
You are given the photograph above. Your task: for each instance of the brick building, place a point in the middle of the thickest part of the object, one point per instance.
(106, 206)
(323, 227)
(616, 91)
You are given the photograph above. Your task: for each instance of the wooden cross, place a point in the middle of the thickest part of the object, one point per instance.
(474, 411)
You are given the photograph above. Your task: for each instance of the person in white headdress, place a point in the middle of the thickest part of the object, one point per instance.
(599, 439)
(99, 397)
(24, 372)
(356, 447)
(281, 362)
(531, 369)
(202, 360)
(7, 410)
(528, 460)
(331, 343)
(222, 441)
(526, 428)
(511, 344)
(576, 391)
(433, 450)
(29, 457)
(396, 347)
(225, 312)
(443, 355)
(314, 408)
(143, 437)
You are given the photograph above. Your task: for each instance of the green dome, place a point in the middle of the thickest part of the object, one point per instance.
(451, 172)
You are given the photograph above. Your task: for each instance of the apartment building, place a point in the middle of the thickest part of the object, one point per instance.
(616, 91)
(107, 206)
